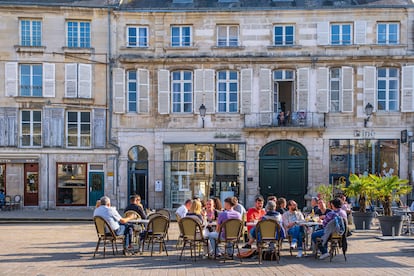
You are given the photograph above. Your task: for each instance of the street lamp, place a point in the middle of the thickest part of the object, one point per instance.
(202, 110)
(368, 110)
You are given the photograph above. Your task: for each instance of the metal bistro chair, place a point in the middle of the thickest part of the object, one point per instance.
(8, 203)
(269, 232)
(335, 242)
(166, 213)
(192, 234)
(232, 231)
(102, 228)
(156, 232)
(16, 203)
(180, 237)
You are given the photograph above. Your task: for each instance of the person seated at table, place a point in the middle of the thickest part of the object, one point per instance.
(272, 198)
(217, 204)
(322, 210)
(255, 213)
(314, 205)
(281, 118)
(290, 221)
(135, 205)
(195, 212)
(227, 214)
(183, 209)
(281, 205)
(240, 208)
(211, 212)
(336, 211)
(271, 214)
(116, 222)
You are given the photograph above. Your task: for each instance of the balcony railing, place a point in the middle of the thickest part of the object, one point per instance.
(299, 119)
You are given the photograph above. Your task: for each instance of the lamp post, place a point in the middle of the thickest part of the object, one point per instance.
(202, 110)
(368, 110)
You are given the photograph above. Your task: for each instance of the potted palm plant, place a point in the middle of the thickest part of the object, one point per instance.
(361, 187)
(388, 189)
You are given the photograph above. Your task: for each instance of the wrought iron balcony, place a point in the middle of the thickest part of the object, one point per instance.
(298, 119)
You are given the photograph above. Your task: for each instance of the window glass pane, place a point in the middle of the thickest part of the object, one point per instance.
(85, 117)
(71, 186)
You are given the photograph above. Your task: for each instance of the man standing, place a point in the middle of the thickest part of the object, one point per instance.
(135, 205)
(257, 212)
(114, 219)
(229, 213)
(290, 220)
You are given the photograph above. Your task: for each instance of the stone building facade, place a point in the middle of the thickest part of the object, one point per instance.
(181, 98)
(53, 103)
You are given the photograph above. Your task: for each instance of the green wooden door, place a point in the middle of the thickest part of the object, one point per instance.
(283, 170)
(96, 187)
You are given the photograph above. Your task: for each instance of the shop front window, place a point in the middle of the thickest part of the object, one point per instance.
(3, 177)
(71, 184)
(203, 170)
(363, 157)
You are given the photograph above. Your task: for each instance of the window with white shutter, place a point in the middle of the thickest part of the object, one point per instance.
(322, 94)
(78, 80)
(118, 75)
(246, 90)
(265, 94)
(99, 127)
(303, 89)
(11, 78)
(49, 80)
(164, 91)
(347, 89)
(370, 86)
(322, 30)
(143, 90)
(407, 97)
(360, 32)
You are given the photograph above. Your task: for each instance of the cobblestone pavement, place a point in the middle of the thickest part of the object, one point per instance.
(66, 248)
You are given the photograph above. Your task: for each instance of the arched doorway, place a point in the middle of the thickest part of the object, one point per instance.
(138, 173)
(284, 170)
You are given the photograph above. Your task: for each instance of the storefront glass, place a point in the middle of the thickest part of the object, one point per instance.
(203, 170)
(363, 157)
(71, 184)
(3, 177)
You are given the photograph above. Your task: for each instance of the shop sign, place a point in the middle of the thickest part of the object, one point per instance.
(7, 160)
(364, 133)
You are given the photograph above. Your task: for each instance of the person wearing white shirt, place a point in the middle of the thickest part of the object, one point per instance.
(183, 209)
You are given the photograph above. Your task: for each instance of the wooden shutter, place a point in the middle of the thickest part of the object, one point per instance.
(246, 81)
(407, 98)
(163, 91)
(322, 30)
(71, 80)
(11, 123)
(209, 90)
(3, 126)
(347, 89)
(99, 127)
(52, 126)
(322, 92)
(370, 86)
(85, 81)
(265, 96)
(143, 90)
(49, 80)
(303, 89)
(11, 79)
(198, 89)
(360, 32)
(118, 75)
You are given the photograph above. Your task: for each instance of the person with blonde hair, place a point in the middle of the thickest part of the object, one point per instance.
(195, 212)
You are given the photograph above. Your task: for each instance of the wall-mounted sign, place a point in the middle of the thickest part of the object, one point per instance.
(364, 133)
(158, 185)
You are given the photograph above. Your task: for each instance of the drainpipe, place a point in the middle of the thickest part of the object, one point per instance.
(110, 110)
(47, 182)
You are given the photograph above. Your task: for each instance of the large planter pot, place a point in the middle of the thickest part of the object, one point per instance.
(391, 225)
(362, 221)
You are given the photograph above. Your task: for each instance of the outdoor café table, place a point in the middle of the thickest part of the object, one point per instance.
(138, 222)
(311, 226)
